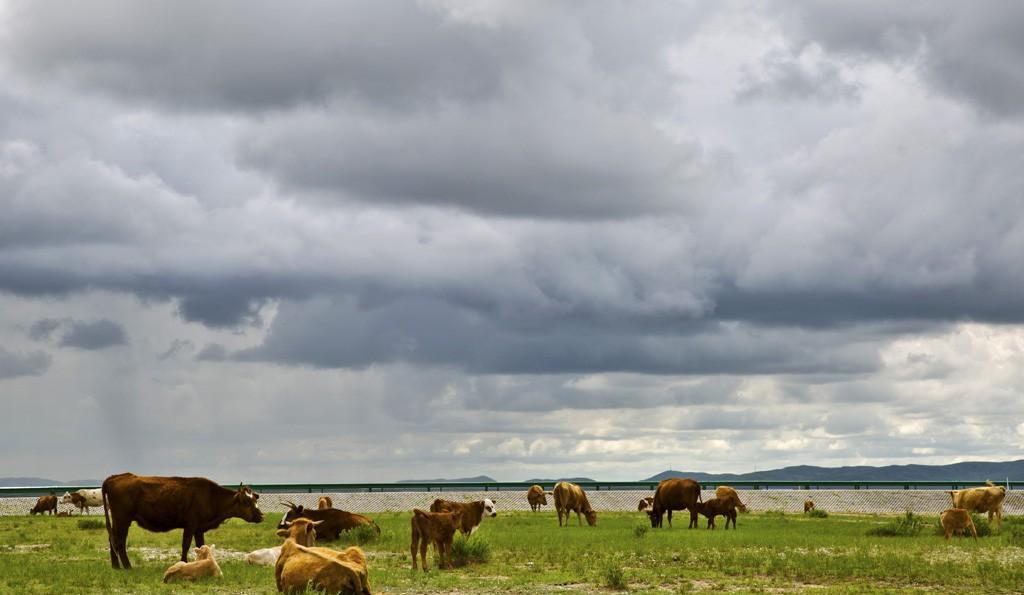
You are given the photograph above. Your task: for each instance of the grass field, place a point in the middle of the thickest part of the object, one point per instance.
(528, 553)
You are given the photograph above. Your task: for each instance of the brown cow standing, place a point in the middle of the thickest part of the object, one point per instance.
(334, 521)
(808, 505)
(44, 504)
(727, 493)
(160, 504)
(536, 497)
(570, 497)
(984, 499)
(472, 513)
(437, 528)
(675, 494)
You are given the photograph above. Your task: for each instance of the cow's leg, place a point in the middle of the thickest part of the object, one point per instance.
(579, 519)
(200, 539)
(112, 544)
(974, 532)
(669, 518)
(186, 541)
(121, 545)
(693, 519)
(414, 546)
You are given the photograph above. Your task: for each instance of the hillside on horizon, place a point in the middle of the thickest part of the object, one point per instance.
(968, 471)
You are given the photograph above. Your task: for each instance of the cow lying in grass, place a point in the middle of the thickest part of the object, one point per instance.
(302, 567)
(333, 521)
(264, 557)
(956, 520)
(437, 528)
(205, 566)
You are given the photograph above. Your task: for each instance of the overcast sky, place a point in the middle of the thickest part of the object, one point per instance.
(365, 240)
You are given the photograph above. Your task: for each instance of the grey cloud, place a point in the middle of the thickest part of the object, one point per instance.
(781, 75)
(42, 330)
(212, 352)
(98, 334)
(177, 346)
(970, 51)
(14, 364)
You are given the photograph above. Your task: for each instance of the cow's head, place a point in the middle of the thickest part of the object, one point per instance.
(303, 531)
(246, 504)
(66, 498)
(489, 508)
(205, 551)
(295, 512)
(655, 518)
(591, 517)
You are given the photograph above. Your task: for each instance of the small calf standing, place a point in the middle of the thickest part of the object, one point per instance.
(324, 503)
(45, 504)
(714, 507)
(955, 520)
(437, 528)
(205, 566)
(808, 506)
(536, 497)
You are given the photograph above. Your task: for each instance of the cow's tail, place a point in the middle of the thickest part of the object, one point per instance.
(106, 517)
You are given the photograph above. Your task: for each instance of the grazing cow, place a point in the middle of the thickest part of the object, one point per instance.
(570, 497)
(955, 520)
(160, 504)
(645, 504)
(984, 499)
(675, 494)
(437, 528)
(45, 504)
(205, 566)
(265, 557)
(728, 493)
(334, 521)
(302, 568)
(808, 506)
(471, 513)
(713, 507)
(83, 499)
(324, 503)
(536, 497)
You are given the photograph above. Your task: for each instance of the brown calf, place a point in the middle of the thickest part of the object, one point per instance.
(472, 513)
(570, 497)
(808, 506)
(45, 504)
(204, 566)
(728, 493)
(713, 507)
(536, 497)
(437, 528)
(956, 520)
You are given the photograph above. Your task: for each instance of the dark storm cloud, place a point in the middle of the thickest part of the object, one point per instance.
(15, 363)
(972, 51)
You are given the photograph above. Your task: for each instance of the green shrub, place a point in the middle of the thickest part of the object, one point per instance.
(1016, 535)
(817, 513)
(639, 530)
(613, 577)
(470, 551)
(90, 524)
(909, 525)
(364, 534)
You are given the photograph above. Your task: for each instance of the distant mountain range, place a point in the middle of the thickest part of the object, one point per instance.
(573, 479)
(14, 482)
(477, 479)
(975, 471)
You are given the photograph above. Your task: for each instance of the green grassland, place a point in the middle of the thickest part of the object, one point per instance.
(529, 553)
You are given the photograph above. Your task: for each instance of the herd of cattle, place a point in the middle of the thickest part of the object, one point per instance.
(197, 505)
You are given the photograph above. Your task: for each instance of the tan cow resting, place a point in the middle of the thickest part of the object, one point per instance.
(205, 566)
(984, 499)
(956, 520)
(324, 503)
(536, 497)
(302, 566)
(728, 494)
(437, 528)
(570, 497)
